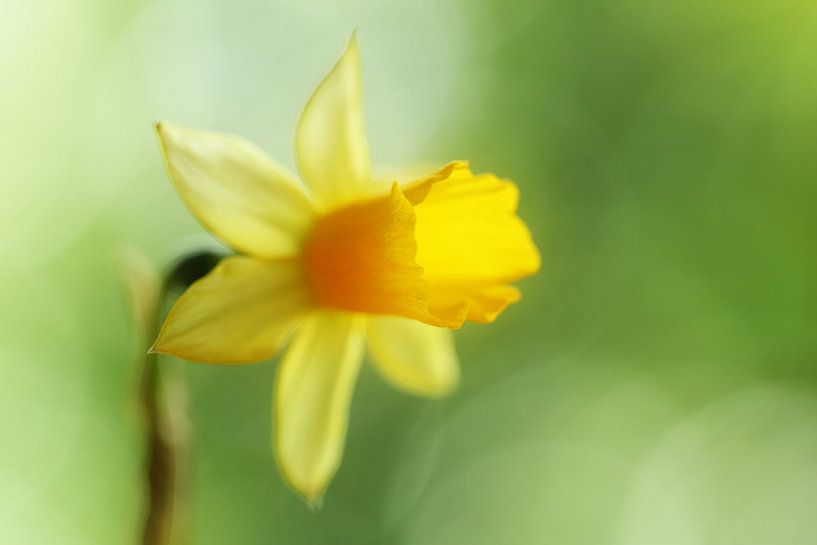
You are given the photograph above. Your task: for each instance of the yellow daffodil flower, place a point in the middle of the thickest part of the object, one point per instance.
(340, 264)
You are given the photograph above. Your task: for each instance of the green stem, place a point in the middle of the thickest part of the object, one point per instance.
(163, 456)
(163, 399)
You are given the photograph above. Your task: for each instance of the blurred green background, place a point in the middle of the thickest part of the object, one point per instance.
(655, 386)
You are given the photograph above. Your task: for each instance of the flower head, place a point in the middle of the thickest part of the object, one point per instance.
(340, 264)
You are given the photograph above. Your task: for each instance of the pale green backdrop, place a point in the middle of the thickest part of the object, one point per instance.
(655, 386)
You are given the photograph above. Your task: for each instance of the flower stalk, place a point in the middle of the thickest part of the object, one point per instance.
(162, 398)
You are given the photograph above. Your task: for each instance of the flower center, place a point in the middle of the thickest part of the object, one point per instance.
(361, 258)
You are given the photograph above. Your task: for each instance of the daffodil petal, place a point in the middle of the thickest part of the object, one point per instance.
(470, 242)
(236, 191)
(241, 312)
(417, 190)
(330, 139)
(313, 392)
(413, 356)
(480, 303)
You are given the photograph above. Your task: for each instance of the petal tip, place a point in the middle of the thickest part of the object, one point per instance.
(160, 347)
(311, 495)
(352, 43)
(314, 503)
(162, 129)
(164, 134)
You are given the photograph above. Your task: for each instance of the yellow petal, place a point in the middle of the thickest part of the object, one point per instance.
(313, 392)
(470, 242)
(330, 140)
(480, 302)
(236, 191)
(417, 191)
(416, 357)
(241, 312)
